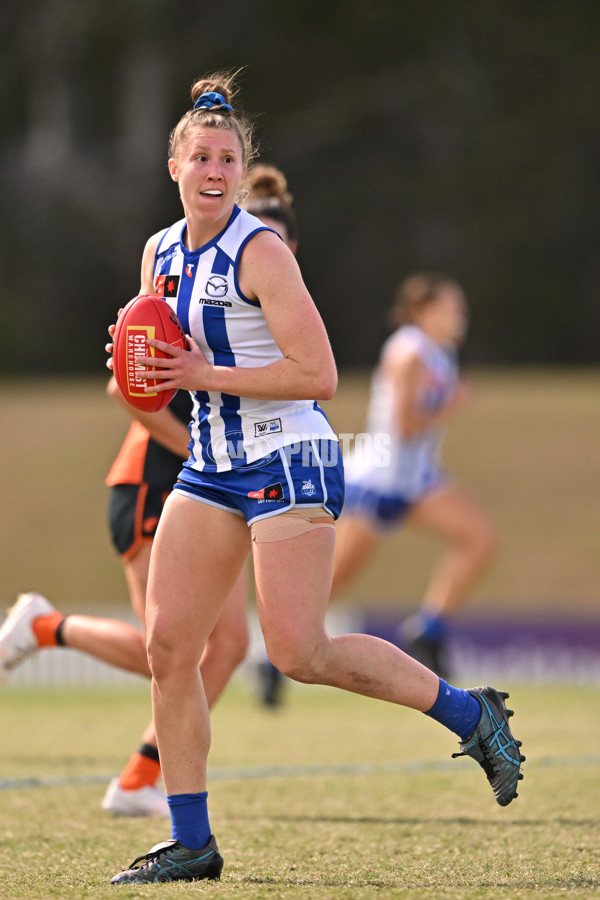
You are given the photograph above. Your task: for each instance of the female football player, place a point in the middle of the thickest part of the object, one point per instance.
(415, 391)
(264, 473)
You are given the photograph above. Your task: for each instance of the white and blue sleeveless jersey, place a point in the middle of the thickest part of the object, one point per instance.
(412, 465)
(202, 287)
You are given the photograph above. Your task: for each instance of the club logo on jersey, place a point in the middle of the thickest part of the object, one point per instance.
(308, 488)
(270, 427)
(166, 285)
(272, 492)
(189, 269)
(150, 525)
(216, 286)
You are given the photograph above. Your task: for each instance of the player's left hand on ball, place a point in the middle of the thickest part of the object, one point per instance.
(185, 369)
(109, 347)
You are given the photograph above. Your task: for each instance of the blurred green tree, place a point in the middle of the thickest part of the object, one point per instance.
(462, 136)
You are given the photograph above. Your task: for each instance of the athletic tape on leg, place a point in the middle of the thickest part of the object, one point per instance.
(290, 524)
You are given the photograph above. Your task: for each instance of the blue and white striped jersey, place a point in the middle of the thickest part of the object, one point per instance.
(202, 287)
(412, 464)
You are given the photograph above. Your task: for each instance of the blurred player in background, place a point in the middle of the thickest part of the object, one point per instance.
(270, 201)
(264, 474)
(415, 392)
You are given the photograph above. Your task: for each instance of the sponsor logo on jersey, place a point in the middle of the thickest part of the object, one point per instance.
(272, 492)
(216, 286)
(270, 427)
(208, 301)
(189, 269)
(167, 285)
(170, 255)
(308, 488)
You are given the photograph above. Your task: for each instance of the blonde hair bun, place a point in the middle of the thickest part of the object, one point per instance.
(267, 182)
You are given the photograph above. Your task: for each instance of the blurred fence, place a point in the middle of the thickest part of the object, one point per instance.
(535, 652)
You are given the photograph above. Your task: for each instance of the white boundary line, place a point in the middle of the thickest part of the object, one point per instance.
(260, 772)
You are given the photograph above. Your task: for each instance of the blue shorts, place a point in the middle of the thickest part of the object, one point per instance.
(310, 473)
(383, 509)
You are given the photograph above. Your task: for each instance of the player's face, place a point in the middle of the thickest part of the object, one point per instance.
(446, 317)
(208, 168)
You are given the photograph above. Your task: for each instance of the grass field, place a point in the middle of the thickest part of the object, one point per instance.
(333, 796)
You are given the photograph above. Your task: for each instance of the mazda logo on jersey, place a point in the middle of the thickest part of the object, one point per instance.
(166, 285)
(216, 286)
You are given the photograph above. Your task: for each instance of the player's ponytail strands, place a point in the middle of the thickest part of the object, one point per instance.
(212, 100)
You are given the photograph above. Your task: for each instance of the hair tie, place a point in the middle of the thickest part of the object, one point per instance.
(212, 99)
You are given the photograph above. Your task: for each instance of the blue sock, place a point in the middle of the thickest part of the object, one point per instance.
(456, 709)
(189, 819)
(432, 627)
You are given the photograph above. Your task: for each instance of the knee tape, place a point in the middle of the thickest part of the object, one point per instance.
(290, 524)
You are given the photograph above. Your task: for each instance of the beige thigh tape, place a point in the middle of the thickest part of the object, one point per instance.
(290, 523)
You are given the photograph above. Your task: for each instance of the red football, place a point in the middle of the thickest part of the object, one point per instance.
(144, 317)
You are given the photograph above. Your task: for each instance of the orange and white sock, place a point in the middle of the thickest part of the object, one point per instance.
(48, 629)
(142, 770)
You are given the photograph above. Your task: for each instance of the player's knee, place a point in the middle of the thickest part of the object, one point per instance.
(298, 661)
(484, 541)
(158, 656)
(166, 658)
(477, 536)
